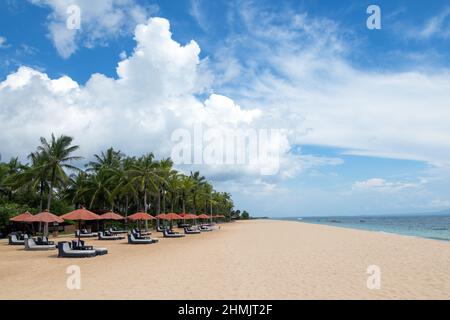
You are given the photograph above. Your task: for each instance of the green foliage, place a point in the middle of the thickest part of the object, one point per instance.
(10, 210)
(245, 215)
(112, 182)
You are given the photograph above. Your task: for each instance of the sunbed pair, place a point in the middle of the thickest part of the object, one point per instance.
(136, 238)
(65, 250)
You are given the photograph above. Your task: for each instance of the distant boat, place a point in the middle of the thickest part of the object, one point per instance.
(335, 221)
(362, 221)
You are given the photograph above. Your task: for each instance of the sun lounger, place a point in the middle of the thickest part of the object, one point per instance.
(114, 231)
(160, 229)
(191, 231)
(183, 225)
(65, 251)
(133, 240)
(43, 241)
(170, 234)
(144, 233)
(80, 245)
(103, 236)
(204, 229)
(85, 234)
(31, 245)
(15, 241)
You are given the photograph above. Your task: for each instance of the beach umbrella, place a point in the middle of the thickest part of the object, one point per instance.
(188, 216)
(141, 216)
(112, 216)
(172, 216)
(23, 217)
(203, 216)
(46, 218)
(81, 215)
(161, 216)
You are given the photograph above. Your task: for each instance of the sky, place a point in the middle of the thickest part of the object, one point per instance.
(361, 115)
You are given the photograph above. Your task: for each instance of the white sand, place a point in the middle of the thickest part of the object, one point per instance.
(243, 260)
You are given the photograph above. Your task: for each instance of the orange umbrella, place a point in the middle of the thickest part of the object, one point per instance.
(45, 217)
(141, 216)
(188, 216)
(161, 216)
(23, 217)
(111, 216)
(203, 216)
(81, 215)
(172, 216)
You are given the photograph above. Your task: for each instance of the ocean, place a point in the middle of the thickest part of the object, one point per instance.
(425, 226)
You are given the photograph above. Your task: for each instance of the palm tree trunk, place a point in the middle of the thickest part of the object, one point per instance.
(41, 196)
(164, 201)
(49, 200)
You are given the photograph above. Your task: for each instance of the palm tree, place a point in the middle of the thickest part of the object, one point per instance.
(56, 156)
(165, 172)
(34, 177)
(111, 159)
(199, 182)
(174, 186)
(124, 188)
(145, 174)
(99, 189)
(187, 185)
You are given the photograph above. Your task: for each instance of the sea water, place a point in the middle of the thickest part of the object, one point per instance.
(425, 226)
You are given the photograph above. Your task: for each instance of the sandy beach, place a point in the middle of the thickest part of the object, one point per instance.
(244, 260)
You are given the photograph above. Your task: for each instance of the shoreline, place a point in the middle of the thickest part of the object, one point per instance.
(257, 259)
(344, 226)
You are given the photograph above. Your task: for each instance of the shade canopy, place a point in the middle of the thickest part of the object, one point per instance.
(188, 216)
(111, 216)
(161, 216)
(141, 216)
(203, 216)
(81, 215)
(23, 217)
(172, 216)
(45, 217)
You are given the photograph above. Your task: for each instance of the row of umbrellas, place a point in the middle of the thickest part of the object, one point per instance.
(86, 215)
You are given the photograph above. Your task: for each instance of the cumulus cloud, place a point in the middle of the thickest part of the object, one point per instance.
(100, 21)
(154, 94)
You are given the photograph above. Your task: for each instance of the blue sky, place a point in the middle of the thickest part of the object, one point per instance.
(366, 110)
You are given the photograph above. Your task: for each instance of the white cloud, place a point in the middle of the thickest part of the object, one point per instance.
(299, 66)
(381, 185)
(100, 21)
(137, 112)
(3, 43)
(196, 12)
(437, 26)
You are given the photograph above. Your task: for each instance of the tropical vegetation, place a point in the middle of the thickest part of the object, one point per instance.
(112, 181)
